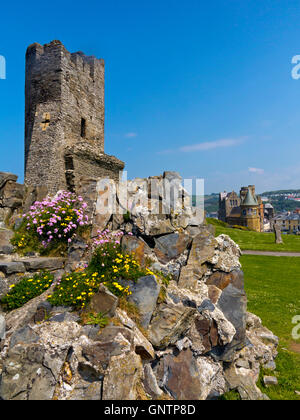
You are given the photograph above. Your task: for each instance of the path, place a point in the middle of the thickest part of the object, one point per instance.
(272, 253)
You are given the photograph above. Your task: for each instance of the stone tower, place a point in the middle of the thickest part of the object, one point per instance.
(250, 215)
(64, 119)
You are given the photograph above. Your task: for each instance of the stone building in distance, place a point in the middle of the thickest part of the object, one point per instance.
(246, 210)
(64, 119)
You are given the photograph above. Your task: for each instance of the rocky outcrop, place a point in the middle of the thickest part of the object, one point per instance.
(194, 340)
(11, 198)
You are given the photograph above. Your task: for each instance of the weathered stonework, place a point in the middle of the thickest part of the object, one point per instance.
(64, 118)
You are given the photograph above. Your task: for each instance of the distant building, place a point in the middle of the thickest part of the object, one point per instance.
(247, 209)
(290, 222)
(268, 212)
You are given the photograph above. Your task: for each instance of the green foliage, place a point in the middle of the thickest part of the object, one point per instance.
(25, 241)
(257, 241)
(109, 259)
(75, 289)
(27, 289)
(164, 278)
(108, 265)
(127, 217)
(230, 396)
(272, 287)
(96, 319)
(216, 222)
(288, 376)
(245, 228)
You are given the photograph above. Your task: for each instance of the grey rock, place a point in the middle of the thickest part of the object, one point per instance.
(24, 335)
(150, 382)
(227, 254)
(11, 195)
(12, 267)
(206, 305)
(240, 363)
(20, 317)
(91, 331)
(186, 377)
(277, 230)
(270, 380)
(171, 246)
(144, 295)
(169, 324)
(271, 365)
(43, 263)
(172, 175)
(65, 316)
(76, 251)
(132, 244)
(35, 359)
(2, 327)
(233, 304)
(203, 249)
(120, 382)
(5, 245)
(243, 381)
(5, 177)
(103, 301)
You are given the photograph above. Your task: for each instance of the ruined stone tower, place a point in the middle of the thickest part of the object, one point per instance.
(64, 119)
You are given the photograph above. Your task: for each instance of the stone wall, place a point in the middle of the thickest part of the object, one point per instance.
(11, 197)
(194, 339)
(64, 115)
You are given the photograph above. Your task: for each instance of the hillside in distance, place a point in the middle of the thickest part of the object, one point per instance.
(283, 200)
(280, 199)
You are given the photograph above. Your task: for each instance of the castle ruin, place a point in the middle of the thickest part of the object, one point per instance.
(64, 119)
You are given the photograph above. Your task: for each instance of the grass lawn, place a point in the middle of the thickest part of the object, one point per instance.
(256, 241)
(273, 288)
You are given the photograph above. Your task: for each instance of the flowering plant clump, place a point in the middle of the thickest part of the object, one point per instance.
(75, 289)
(51, 222)
(109, 265)
(27, 289)
(110, 257)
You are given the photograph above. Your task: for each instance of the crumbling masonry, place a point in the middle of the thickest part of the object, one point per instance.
(64, 119)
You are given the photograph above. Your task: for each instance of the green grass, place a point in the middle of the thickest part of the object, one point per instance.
(256, 241)
(273, 289)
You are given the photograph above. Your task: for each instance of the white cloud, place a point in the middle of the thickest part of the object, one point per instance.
(256, 171)
(130, 135)
(208, 145)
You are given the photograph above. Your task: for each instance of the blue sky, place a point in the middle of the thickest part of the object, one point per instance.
(203, 88)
